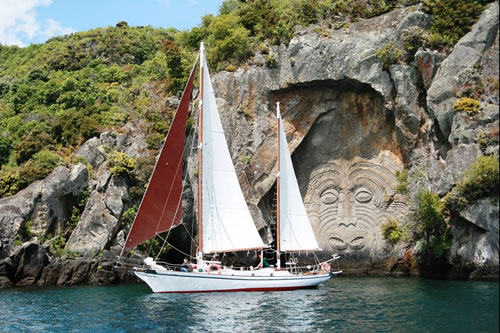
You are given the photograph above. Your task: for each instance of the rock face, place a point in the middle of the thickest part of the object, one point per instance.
(351, 126)
(47, 204)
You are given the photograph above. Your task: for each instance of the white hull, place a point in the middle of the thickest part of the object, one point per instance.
(261, 280)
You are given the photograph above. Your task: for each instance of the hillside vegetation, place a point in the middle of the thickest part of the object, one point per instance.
(56, 95)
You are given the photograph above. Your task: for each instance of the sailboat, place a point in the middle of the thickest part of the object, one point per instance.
(224, 220)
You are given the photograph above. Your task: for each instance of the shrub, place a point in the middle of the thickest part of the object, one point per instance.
(402, 177)
(120, 164)
(393, 232)
(25, 234)
(413, 39)
(270, 61)
(39, 167)
(5, 149)
(481, 180)
(389, 54)
(128, 216)
(57, 245)
(468, 105)
(228, 42)
(32, 143)
(452, 19)
(9, 181)
(432, 228)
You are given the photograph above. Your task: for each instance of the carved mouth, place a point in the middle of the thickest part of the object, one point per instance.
(353, 241)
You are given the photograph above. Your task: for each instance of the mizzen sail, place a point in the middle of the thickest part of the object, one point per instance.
(296, 233)
(161, 209)
(227, 223)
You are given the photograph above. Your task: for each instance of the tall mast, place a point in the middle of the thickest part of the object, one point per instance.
(278, 252)
(200, 156)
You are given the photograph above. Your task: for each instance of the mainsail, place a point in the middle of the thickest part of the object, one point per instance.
(296, 233)
(161, 209)
(227, 223)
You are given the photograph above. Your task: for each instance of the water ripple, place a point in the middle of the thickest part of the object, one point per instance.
(344, 304)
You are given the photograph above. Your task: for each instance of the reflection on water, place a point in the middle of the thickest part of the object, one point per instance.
(344, 304)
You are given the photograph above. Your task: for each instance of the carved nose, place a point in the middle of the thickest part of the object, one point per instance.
(344, 213)
(348, 221)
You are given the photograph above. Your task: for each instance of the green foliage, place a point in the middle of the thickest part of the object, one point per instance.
(228, 42)
(57, 247)
(5, 150)
(468, 105)
(481, 180)
(154, 246)
(128, 216)
(9, 181)
(389, 54)
(32, 143)
(432, 228)
(246, 159)
(177, 73)
(77, 210)
(120, 164)
(25, 233)
(270, 61)
(452, 19)
(483, 89)
(402, 177)
(15, 179)
(413, 39)
(393, 232)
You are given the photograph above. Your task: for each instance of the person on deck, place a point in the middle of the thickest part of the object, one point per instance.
(186, 266)
(262, 262)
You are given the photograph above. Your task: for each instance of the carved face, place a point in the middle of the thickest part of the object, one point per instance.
(347, 201)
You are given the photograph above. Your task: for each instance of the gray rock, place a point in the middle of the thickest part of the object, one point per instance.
(467, 52)
(31, 258)
(93, 152)
(79, 179)
(96, 228)
(116, 196)
(458, 161)
(476, 239)
(428, 63)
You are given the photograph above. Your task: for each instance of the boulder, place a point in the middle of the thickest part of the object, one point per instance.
(31, 258)
(476, 237)
(96, 229)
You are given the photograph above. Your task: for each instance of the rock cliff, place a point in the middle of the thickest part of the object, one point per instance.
(351, 125)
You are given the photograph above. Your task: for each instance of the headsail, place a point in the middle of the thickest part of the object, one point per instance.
(161, 209)
(227, 223)
(296, 233)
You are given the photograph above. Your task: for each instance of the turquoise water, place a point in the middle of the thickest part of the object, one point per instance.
(344, 304)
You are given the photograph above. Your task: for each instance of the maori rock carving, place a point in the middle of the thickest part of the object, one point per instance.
(347, 200)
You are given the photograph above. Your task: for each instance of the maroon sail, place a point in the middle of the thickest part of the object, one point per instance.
(161, 209)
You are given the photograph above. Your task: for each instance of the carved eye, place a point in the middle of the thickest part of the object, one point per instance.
(363, 196)
(358, 242)
(329, 197)
(338, 243)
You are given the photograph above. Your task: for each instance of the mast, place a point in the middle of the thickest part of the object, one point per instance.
(278, 192)
(200, 156)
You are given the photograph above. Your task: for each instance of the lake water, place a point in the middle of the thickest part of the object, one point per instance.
(344, 304)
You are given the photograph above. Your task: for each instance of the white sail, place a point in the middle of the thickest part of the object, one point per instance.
(227, 223)
(296, 233)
